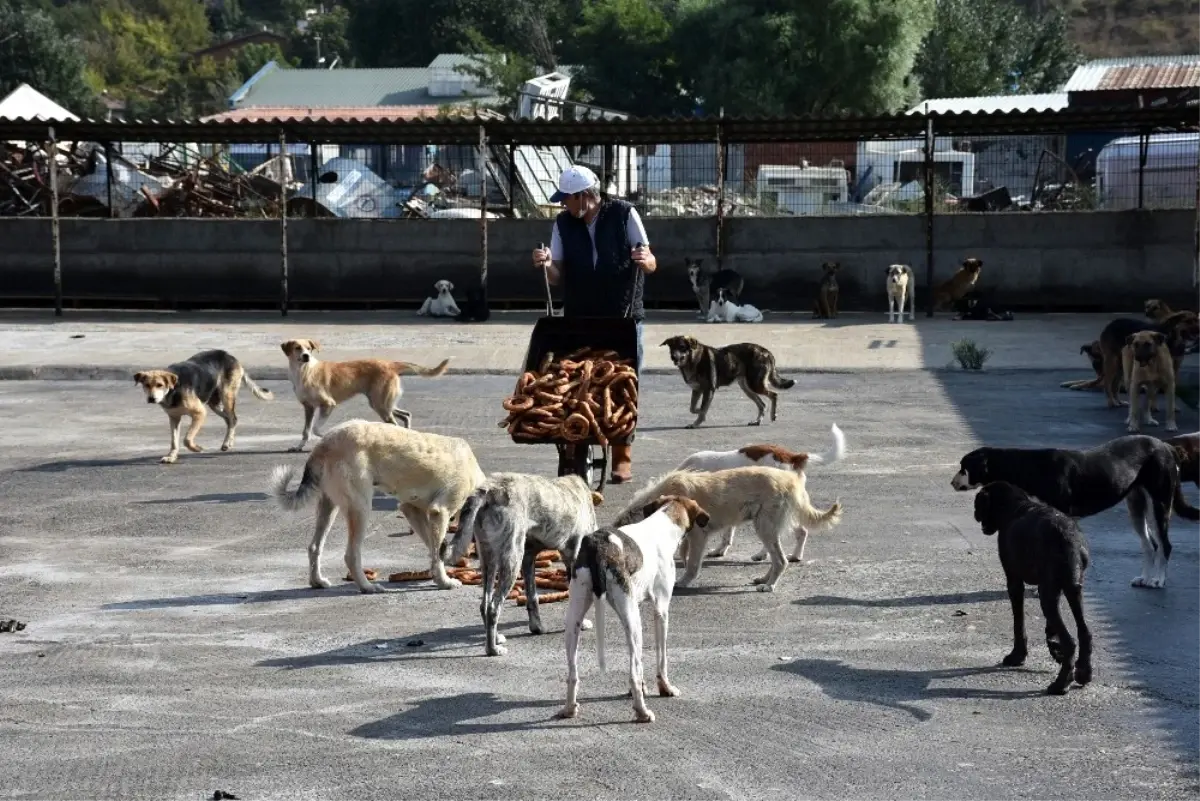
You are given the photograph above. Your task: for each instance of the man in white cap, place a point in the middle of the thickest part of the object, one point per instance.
(600, 254)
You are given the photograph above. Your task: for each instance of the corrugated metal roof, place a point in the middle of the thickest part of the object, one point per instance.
(348, 113)
(1146, 72)
(311, 88)
(991, 104)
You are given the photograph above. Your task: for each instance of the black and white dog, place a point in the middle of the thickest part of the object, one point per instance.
(1040, 546)
(1138, 469)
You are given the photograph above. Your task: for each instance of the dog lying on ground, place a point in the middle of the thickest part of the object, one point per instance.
(443, 305)
(1043, 547)
(763, 456)
(724, 310)
(210, 378)
(950, 291)
(976, 305)
(628, 565)
(705, 284)
(1138, 469)
(826, 304)
(1146, 362)
(1182, 329)
(321, 386)
(429, 474)
(512, 517)
(775, 500)
(1157, 310)
(706, 369)
(1096, 357)
(475, 308)
(1187, 456)
(901, 286)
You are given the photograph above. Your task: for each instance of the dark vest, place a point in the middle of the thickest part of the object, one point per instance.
(614, 285)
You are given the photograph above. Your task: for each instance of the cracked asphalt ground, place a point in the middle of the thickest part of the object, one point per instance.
(173, 647)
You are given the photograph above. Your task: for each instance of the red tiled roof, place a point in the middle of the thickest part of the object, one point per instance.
(1150, 76)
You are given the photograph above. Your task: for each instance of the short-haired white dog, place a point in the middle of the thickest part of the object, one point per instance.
(724, 310)
(901, 287)
(443, 305)
(763, 456)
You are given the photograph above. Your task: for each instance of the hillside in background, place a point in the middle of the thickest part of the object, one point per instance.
(1120, 28)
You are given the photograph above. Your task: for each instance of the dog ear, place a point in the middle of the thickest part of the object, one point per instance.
(286, 347)
(449, 286)
(597, 499)
(172, 379)
(653, 506)
(1129, 339)
(1085, 349)
(139, 378)
(701, 518)
(1160, 337)
(313, 344)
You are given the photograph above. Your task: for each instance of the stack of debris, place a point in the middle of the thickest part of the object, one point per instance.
(693, 201)
(169, 185)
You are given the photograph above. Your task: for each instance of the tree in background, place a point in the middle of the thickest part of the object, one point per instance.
(34, 51)
(333, 29)
(994, 47)
(788, 57)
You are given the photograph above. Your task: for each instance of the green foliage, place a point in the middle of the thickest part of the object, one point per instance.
(994, 47)
(34, 51)
(332, 28)
(787, 57)
(969, 355)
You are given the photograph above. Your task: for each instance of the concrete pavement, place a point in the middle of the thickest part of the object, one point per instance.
(33, 344)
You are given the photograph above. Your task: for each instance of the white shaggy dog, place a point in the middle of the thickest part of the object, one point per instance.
(429, 474)
(776, 500)
(724, 310)
(443, 305)
(511, 518)
(901, 286)
(763, 456)
(629, 564)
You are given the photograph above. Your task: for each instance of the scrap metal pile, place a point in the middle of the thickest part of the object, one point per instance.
(693, 201)
(176, 183)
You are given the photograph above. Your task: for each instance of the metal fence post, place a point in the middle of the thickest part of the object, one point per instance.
(722, 165)
(1143, 152)
(929, 189)
(108, 177)
(54, 229)
(312, 174)
(483, 205)
(283, 243)
(512, 180)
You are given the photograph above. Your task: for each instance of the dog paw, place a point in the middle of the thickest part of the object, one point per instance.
(1172, 426)
(496, 650)
(370, 588)
(320, 583)
(586, 625)
(758, 557)
(717, 553)
(795, 559)
(692, 425)
(1014, 659)
(1150, 421)
(666, 689)
(449, 583)
(296, 449)
(755, 423)
(168, 460)
(1056, 689)
(226, 447)
(1150, 583)
(643, 716)
(568, 712)
(193, 447)
(1083, 674)
(765, 587)
(536, 629)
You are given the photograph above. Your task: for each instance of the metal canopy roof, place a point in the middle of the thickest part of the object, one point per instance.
(630, 132)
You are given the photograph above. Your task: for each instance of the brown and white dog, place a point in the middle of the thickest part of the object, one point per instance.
(429, 474)
(762, 456)
(321, 386)
(950, 291)
(1182, 329)
(210, 378)
(1146, 362)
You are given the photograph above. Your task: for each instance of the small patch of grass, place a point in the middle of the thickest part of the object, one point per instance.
(969, 355)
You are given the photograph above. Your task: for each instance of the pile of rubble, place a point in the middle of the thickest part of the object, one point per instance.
(175, 183)
(693, 201)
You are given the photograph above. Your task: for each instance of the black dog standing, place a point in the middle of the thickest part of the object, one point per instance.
(1040, 546)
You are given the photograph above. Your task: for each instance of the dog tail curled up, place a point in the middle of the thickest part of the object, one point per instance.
(455, 548)
(259, 392)
(416, 369)
(812, 516)
(836, 454)
(778, 381)
(304, 494)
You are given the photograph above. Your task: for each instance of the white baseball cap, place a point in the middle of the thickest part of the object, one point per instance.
(574, 179)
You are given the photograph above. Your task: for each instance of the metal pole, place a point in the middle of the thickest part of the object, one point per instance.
(483, 204)
(512, 180)
(928, 212)
(1143, 152)
(283, 253)
(54, 226)
(312, 173)
(722, 155)
(108, 170)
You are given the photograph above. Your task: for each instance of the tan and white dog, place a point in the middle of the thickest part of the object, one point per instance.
(629, 565)
(775, 500)
(321, 386)
(429, 474)
(901, 286)
(762, 456)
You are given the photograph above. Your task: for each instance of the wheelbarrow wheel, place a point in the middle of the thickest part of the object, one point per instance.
(589, 462)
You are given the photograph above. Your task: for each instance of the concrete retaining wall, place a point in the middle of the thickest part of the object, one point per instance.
(1097, 260)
